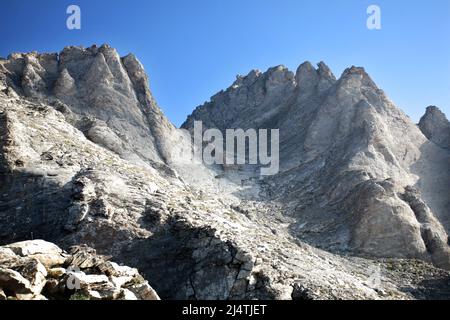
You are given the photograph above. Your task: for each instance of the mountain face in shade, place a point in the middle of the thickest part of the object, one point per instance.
(88, 158)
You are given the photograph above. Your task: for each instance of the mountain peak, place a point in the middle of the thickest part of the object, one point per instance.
(357, 77)
(354, 70)
(325, 71)
(246, 80)
(436, 127)
(307, 77)
(434, 111)
(96, 82)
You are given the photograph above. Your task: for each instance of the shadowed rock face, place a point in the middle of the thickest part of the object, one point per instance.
(87, 157)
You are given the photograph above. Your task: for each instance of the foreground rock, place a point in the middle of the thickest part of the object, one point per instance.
(436, 127)
(39, 270)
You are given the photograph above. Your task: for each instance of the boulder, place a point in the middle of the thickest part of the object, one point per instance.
(36, 273)
(83, 257)
(13, 282)
(87, 280)
(83, 275)
(45, 252)
(105, 291)
(113, 269)
(56, 272)
(32, 247)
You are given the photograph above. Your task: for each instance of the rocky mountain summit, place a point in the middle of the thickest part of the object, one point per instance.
(358, 210)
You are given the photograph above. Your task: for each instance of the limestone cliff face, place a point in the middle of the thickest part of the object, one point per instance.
(87, 158)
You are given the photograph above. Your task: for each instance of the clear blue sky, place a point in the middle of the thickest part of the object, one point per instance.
(192, 49)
